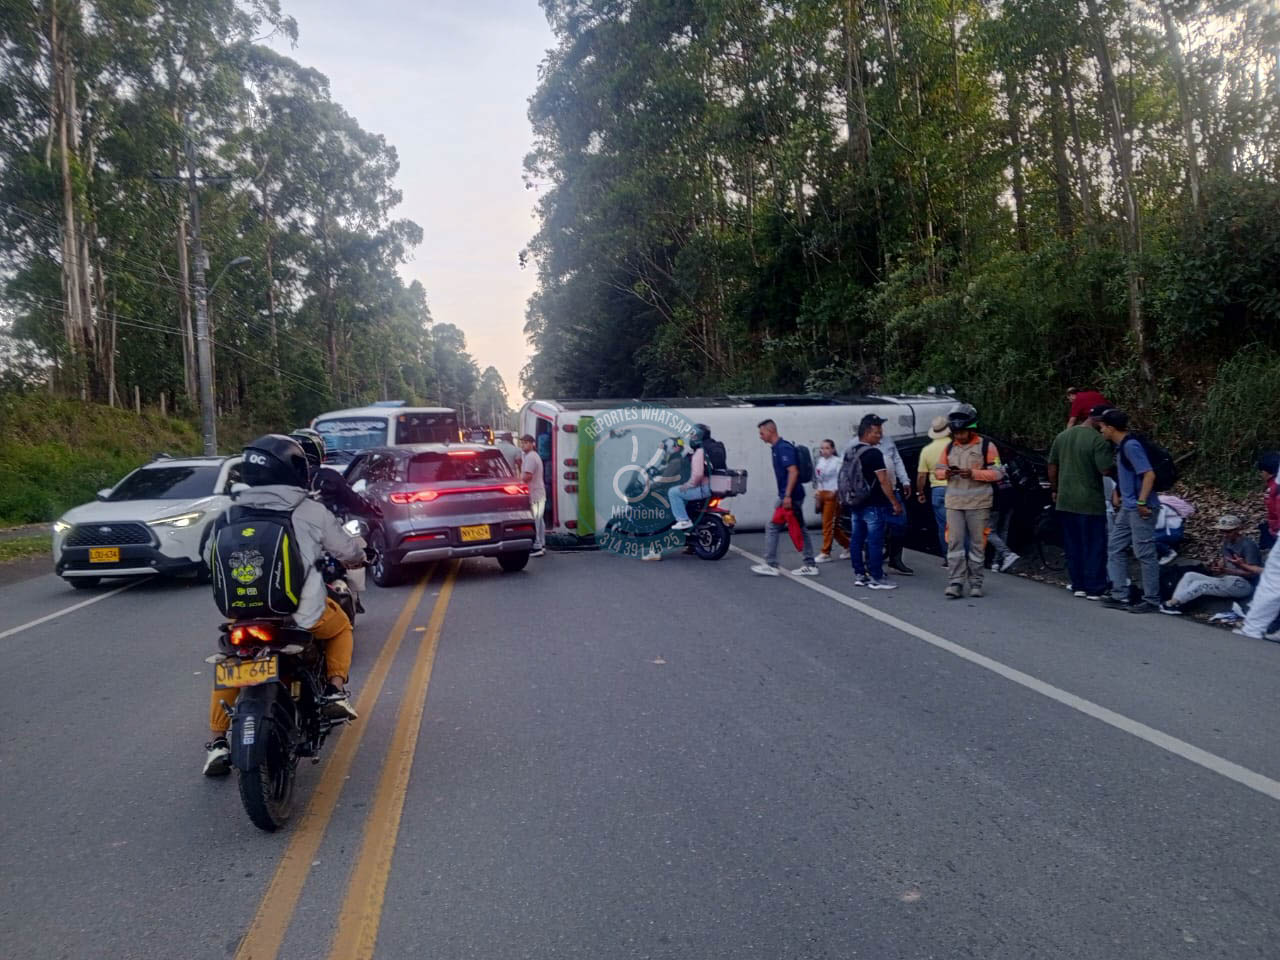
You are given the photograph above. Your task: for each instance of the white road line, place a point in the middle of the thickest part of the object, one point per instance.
(1210, 761)
(65, 610)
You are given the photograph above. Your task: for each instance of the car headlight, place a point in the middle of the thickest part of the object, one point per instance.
(61, 526)
(181, 520)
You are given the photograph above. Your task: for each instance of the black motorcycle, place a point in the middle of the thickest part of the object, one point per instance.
(279, 716)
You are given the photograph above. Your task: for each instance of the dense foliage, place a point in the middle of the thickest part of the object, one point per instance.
(100, 101)
(839, 195)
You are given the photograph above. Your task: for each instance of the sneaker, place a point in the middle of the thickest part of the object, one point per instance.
(1170, 609)
(1111, 603)
(217, 761)
(1082, 594)
(1168, 558)
(954, 592)
(655, 555)
(899, 567)
(1143, 607)
(1070, 587)
(337, 704)
(861, 580)
(976, 590)
(822, 558)
(683, 525)
(808, 570)
(1239, 632)
(1009, 560)
(539, 552)
(1095, 597)
(881, 584)
(765, 570)
(844, 555)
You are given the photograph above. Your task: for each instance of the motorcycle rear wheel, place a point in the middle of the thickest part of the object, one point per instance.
(267, 791)
(710, 538)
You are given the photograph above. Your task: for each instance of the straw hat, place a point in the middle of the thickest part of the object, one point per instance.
(939, 429)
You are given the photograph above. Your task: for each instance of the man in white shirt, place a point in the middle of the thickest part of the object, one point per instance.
(531, 473)
(826, 486)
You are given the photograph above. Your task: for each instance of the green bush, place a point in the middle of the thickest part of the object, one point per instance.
(1241, 418)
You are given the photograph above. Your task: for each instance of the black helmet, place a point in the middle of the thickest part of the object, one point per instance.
(700, 432)
(963, 417)
(312, 445)
(275, 459)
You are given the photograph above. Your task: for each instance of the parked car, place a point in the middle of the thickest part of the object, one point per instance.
(442, 501)
(1029, 496)
(154, 521)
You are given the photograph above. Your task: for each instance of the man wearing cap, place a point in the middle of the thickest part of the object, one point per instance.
(1233, 576)
(1136, 507)
(1077, 461)
(971, 466)
(1082, 402)
(939, 436)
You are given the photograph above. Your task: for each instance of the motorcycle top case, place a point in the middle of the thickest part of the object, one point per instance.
(728, 483)
(257, 569)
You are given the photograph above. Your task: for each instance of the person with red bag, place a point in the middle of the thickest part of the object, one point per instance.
(788, 513)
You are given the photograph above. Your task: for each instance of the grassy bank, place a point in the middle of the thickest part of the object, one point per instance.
(20, 548)
(56, 453)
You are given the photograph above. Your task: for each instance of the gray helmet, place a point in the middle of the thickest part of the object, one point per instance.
(963, 417)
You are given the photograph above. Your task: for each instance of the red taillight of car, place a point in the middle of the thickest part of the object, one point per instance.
(414, 496)
(250, 634)
(521, 528)
(516, 489)
(462, 453)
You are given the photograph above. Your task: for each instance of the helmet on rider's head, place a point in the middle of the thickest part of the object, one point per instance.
(698, 434)
(312, 446)
(275, 459)
(963, 417)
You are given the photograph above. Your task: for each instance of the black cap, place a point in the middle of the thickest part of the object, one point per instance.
(871, 420)
(1116, 419)
(1097, 412)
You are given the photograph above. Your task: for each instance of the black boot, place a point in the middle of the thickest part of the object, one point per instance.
(896, 562)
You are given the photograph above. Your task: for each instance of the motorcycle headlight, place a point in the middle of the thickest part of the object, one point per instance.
(181, 520)
(61, 526)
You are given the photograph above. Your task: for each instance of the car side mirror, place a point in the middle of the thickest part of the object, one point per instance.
(360, 486)
(104, 493)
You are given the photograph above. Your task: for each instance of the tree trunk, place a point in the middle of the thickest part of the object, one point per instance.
(1061, 169)
(271, 281)
(1077, 148)
(1015, 142)
(1174, 41)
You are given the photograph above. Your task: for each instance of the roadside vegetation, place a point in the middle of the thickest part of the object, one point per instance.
(21, 548)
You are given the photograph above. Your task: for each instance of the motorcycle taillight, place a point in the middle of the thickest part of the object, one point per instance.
(250, 634)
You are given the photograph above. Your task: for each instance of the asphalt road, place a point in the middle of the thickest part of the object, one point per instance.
(675, 760)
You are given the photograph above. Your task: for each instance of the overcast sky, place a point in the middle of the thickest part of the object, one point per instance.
(447, 83)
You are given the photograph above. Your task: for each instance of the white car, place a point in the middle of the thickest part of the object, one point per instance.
(155, 520)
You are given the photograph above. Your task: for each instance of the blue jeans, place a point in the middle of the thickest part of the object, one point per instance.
(1136, 532)
(774, 531)
(1084, 540)
(867, 528)
(679, 498)
(939, 500)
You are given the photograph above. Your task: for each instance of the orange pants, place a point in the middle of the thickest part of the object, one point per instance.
(333, 630)
(829, 503)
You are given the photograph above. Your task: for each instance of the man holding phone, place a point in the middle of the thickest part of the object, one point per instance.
(971, 466)
(1233, 575)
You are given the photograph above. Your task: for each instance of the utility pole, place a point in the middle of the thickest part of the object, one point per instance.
(204, 353)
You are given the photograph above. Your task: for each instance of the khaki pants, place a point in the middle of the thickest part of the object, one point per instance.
(333, 630)
(965, 565)
(829, 503)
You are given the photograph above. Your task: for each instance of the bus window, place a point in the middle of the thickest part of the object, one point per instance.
(427, 427)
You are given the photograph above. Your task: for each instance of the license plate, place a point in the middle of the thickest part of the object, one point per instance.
(104, 554)
(245, 673)
(475, 533)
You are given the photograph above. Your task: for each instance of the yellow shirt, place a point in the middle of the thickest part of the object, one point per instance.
(929, 458)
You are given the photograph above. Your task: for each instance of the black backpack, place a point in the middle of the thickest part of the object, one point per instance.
(1161, 461)
(256, 566)
(804, 463)
(714, 453)
(853, 487)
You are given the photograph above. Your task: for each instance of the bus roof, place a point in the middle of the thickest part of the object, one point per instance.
(376, 411)
(747, 400)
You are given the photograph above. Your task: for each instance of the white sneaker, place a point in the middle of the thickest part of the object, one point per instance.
(1239, 632)
(217, 760)
(655, 555)
(844, 555)
(822, 558)
(881, 584)
(1009, 560)
(1168, 558)
(764, 570)
(1080, 593)
(808, 570)
(683, 525)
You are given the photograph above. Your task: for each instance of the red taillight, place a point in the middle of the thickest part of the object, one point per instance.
(516, 489)
(522, 528)
(570, 428)
(571, 524)
(462, 453)
(571, 488)
(713, 503)
(250, 634)
(571, 474)
(571, 462)
(414, 496)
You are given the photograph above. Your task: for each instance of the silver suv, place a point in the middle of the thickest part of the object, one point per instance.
(439, 501)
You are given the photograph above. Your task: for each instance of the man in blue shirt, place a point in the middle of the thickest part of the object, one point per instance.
(787, 510)
(1136, 508)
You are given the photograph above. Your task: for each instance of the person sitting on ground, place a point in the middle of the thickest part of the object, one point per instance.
(1233, 576)
(1170, 523)
(1083, 401)
(1269, 529)
(826, 486)
(697, 487)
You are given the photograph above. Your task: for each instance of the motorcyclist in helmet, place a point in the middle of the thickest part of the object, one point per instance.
(329, 483)
(971, 466)
(275, 472)
(698, 486)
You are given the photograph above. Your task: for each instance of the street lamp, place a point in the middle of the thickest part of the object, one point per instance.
(233, 263)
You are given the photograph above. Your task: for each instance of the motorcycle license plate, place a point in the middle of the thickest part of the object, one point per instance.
(474, 533)
(245, 673)
(104, 554)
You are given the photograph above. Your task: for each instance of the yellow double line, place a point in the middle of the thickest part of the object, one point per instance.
(362, 908)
